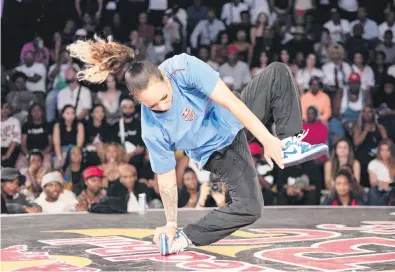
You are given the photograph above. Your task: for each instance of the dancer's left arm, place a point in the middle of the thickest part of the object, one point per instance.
(272, 145)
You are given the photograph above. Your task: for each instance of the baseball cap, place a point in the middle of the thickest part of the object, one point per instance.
(10, 174)
(354, 77)
(255, 149)
(92, 171)
(52, 177)
(232, 49)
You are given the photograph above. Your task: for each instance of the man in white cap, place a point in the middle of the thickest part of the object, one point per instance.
(52, 185)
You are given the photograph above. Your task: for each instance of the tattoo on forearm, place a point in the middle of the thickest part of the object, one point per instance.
(169, 195)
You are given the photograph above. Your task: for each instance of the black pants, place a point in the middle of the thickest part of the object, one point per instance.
(272, 96)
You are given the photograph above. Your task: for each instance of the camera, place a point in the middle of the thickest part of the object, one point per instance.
(215, 183)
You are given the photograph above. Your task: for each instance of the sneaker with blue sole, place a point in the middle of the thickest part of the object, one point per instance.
(296, 151)
(180, 243)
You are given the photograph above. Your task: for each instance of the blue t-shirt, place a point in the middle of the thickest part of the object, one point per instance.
(212, 128)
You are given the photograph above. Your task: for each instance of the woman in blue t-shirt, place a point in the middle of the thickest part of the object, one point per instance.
(186, 106)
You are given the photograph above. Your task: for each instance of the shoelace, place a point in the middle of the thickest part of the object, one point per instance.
(177, 246)
(298, 139)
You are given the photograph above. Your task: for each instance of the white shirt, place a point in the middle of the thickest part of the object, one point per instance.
(68, 96)
(59, 206)
(157, 4)
(370, 29)
(383, 28)
(10, 132)
(231, 14)
(36, 68)
(378, 168)
(367, 76)
(348, 5)
(346, 103)
(342, 75)
(240, 72)
(303, 76)
(338, 32)
(256, 7)
(391, 70)
(206, 32)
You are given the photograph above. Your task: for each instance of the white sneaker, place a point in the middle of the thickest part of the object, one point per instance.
(296, 151)
(180, 243)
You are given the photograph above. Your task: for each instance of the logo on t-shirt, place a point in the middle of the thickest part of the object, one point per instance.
(188, 114)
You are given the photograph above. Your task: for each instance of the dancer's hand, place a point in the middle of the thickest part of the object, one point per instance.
(169, 231)
(273, 150)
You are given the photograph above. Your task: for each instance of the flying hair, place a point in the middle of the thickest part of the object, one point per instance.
(102, 57)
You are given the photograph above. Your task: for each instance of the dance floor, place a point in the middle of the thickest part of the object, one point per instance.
(284, 239)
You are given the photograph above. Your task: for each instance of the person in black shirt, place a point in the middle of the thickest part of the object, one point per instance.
(36, 135)
(128, 133)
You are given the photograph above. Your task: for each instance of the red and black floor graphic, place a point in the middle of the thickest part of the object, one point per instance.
(284, 239)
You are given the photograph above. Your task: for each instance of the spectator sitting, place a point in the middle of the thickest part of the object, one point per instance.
(68, 132)
(11, 180)
(10, 136)
(244, 48)
(157, 50)
(235, 68)
(206, 31)
(40, 52)
(188, 195)
(110, 99)
(357, 44)
(342, 154)
(364, 70)
(370, 28)
(204, 55)
(171, 33)
(256, 32)
(137, 44)
(265, 174)
(196, 13)
(260, 64)
(36, 73)
(381, 173)
(34, 174)
(338, 28)
(344, 192)
(388, 25)
(52, 185)
(145, 30)
(299, 43)
(367, 134)
(388, 47)
(303, 76)
(36, 135)
(318, 132)
(57, 77)
(93, 178)
(384, 102)
(73, 168)
(230, 13)
(128, 132)
(317, 98)
(321, 48)
(68, 31)
(128, 177)
(75, 94)
(212, 194)
(219, 50)
(20, 99)
(58, 46)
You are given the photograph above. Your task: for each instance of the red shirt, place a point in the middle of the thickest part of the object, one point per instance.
(318, 134)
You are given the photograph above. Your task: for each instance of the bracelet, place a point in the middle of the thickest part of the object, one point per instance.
(171, 224)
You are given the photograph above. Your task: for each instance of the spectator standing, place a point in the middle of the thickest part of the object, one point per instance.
(36, 135)
(381, 173)
(368, 133)
(35, 71)
(40, 53)
(52, 185)
(304, 75)
(68, 132)
(75, 94)
(342, 154)
(317, 98)
(206, 31)
(235, 68)
(11, 180)
(10, 136)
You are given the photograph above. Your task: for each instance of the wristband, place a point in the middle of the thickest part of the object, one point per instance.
(171, 224)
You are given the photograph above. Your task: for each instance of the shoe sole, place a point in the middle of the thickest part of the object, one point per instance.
(163, 245)
(308, 156)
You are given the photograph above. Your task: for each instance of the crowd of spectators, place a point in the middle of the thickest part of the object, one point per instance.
(66, 145)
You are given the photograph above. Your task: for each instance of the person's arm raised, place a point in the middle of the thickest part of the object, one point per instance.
(272, 145)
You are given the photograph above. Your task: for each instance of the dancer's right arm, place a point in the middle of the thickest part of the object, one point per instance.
(169, 194)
